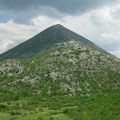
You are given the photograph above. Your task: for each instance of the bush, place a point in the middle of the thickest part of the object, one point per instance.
(52, 118)
(39, 118)
(65, 111)
(2, 106)
(15, 113)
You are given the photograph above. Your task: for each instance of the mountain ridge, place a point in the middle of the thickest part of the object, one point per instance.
(44, 40)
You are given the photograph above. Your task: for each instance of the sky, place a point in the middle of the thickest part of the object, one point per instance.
(97, 20)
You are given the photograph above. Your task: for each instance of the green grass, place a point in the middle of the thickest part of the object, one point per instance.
(101, 107)
(92, 92)
(46, 114)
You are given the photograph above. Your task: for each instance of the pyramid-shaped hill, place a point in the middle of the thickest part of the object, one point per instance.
(46, 39)
(60, 76)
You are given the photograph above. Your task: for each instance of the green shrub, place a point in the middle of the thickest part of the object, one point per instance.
(39, 118)
(15, 113)
(2, 106)
(65, 111)
(52, 118)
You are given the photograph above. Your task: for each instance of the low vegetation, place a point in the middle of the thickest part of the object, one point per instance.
(67, 82)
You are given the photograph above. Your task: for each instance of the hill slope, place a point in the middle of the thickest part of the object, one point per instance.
(62, 77)
(45, 40)
(69, 68)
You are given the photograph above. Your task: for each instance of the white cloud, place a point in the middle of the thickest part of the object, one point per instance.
(117, 53)
(42, 22)
(101, 26)
(13, 34)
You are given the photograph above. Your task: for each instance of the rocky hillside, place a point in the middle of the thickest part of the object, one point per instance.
(68, 68)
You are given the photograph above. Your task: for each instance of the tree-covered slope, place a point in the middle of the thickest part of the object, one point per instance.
(67, 69)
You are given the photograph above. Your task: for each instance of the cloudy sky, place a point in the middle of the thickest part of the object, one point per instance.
(97, 20)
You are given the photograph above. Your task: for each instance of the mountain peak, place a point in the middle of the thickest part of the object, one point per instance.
(57, 25)
(46, 39)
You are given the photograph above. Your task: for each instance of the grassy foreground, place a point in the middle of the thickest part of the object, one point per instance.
(103, 107)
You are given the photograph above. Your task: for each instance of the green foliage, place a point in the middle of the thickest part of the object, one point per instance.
(40, 118)
(102, 107)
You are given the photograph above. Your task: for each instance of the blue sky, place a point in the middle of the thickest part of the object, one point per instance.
(4, 18)
(97, 20)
